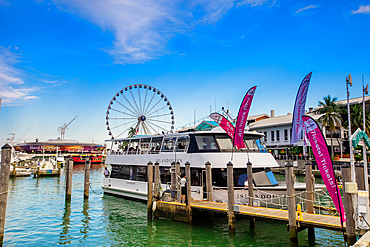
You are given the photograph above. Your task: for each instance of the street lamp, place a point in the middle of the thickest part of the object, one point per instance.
(365, 90)
(353, 175)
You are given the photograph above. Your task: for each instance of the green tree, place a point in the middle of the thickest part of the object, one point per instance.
(131, 132)
(331, 116)
(357, 119)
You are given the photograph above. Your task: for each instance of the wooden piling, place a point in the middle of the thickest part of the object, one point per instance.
(292, 226)
(309, 197)
(87, 178)
(6, 153)
(150, 189)
(173, 176)
(250, 184)
(360, 179)
(69, 171)
(230, 197)
(348, 206)
(250, 191)
(156, 181)
(188, 191)
(178, 191)
(209, 181)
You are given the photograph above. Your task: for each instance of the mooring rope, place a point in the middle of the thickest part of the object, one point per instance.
(94, 191)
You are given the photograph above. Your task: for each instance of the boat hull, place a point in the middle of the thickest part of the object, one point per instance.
(262, 195)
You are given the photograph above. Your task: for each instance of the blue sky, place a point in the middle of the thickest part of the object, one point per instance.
(59, 59)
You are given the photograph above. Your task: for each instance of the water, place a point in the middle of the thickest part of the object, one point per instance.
(37, 215)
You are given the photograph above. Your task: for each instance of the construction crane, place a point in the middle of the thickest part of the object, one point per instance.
(62, 129)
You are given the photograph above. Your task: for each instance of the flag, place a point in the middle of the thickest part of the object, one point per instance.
(322, 157)
(299, 109)
(242, 118)
(224, 123)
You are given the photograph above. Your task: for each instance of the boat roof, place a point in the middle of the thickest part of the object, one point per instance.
(215, 130)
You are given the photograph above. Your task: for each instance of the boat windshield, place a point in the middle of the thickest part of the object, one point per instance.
(168, 144)
(252, 143)
(206, 142)
(182, 143)
(155, 145)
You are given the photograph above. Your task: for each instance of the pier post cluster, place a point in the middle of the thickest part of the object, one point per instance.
(4, 184)
(179, 211)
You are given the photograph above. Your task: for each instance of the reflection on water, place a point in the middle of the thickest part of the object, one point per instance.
(86, 220)
(65, 238)
(37, 215)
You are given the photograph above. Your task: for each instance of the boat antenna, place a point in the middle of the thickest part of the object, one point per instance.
(194, 117)
(232, 151)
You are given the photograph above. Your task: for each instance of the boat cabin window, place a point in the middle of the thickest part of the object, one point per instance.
(144, 145)
(219, 177)
(155, 145)
(141, 173)
(261, 145)
(182, 143)
(165, 175)
(224, 142)
(168, 144)
(195, 176)
(123, 147)
(250, 143)
(136, 173)
(119, 171)
(206, 142)
(133, 147)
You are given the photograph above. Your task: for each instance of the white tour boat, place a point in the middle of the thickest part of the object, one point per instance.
(128, 160)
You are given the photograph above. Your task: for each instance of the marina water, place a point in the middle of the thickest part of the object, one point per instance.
(37, 215)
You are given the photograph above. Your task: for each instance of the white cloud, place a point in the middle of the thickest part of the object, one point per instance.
(142, 28)
(307, 7)
(12, 90)
(362, 10)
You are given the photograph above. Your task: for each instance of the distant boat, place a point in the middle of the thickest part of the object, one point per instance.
(20, 171)
(93, 159)
(47, 167)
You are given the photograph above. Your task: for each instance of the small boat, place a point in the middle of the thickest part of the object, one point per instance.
(17, 171)
(47, 167)
(93, 159)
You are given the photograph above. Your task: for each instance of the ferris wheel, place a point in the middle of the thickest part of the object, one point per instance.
(139, 110)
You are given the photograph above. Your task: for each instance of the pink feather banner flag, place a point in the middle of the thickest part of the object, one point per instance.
(242, 118)
(224, 123)
(322, 157)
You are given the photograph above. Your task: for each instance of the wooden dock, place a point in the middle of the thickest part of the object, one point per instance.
(306, 219)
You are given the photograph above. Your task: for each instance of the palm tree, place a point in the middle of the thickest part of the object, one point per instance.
(131, 132)
(331, 118)
(357, 119)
